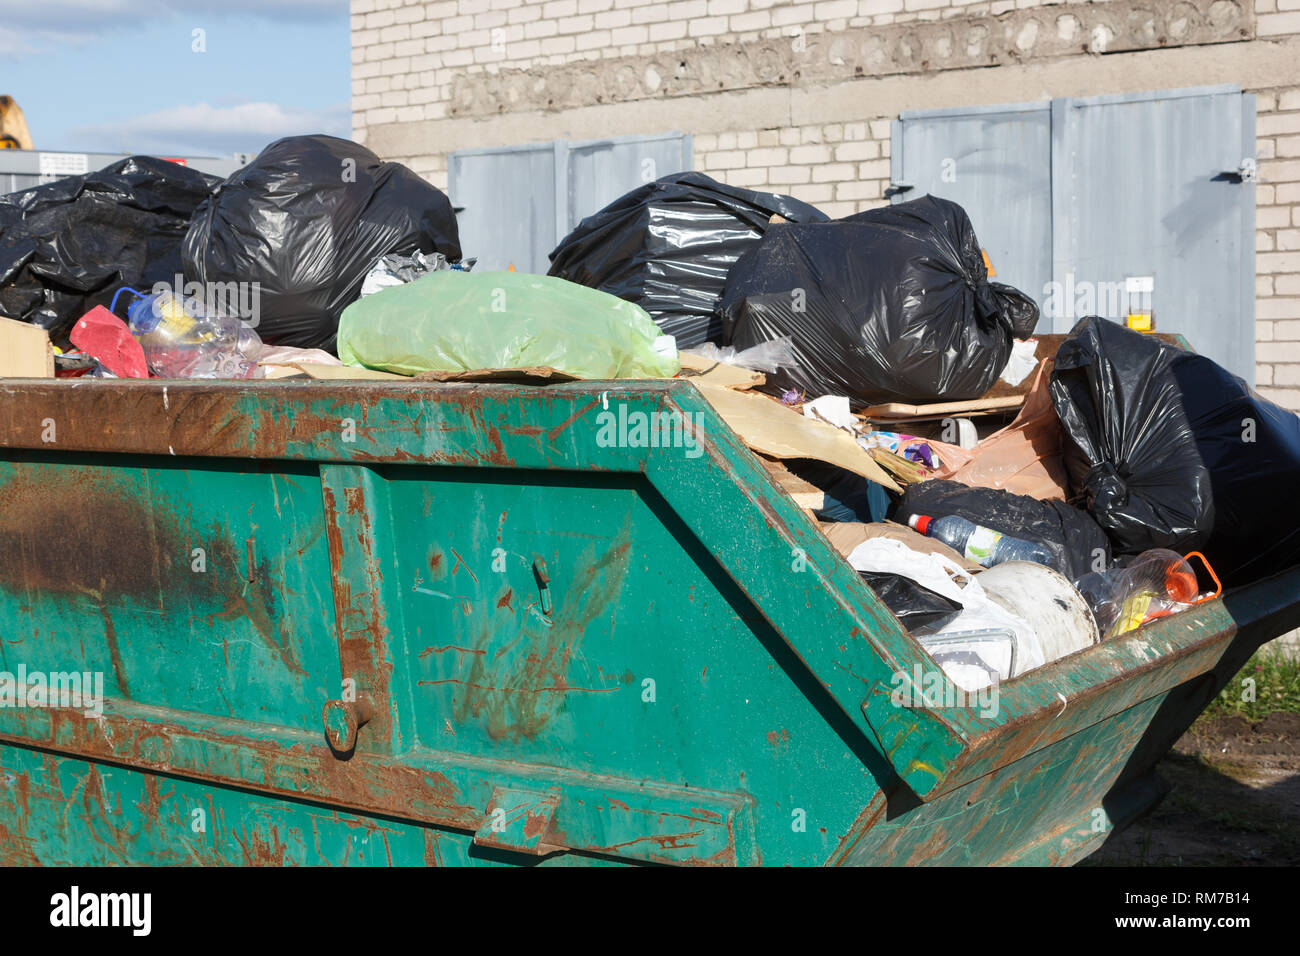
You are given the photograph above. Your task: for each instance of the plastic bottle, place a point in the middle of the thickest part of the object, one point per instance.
(977, 543)
(1158, 583)
(181, 339)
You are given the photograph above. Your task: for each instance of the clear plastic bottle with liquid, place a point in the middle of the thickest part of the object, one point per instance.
(977, 543)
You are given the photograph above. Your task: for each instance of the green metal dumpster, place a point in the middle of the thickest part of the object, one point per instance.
(407, 623)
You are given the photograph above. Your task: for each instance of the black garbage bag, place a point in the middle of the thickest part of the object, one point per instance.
(69, 245)
(306, 220)
(668, 246)
(1171, 450)
(893, 304)
(914, 604)
(1076, 541)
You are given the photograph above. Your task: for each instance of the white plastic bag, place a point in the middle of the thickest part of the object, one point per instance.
(764, 357)
(974, 661)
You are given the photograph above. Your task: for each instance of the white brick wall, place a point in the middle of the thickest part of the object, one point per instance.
(407, 53)
(1277, 245)
(841, 168)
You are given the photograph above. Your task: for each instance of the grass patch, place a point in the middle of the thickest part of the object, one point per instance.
(1276, 687)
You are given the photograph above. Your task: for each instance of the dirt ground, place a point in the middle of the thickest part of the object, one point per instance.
(1235, 800)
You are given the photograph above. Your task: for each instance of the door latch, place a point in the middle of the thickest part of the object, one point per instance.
(342, 719)
(1246, 172)
(543, 579)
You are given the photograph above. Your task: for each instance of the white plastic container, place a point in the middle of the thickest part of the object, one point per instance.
(1047, 600)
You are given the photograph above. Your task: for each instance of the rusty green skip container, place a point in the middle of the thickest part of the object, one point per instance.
(404, 623)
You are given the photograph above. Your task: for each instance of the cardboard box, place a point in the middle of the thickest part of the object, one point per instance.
(25, 351)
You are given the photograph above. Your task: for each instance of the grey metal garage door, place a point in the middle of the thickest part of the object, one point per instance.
(996, 162)
(1144, 202)
(519, 201)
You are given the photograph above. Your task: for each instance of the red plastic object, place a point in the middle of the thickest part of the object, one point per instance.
(102, 334)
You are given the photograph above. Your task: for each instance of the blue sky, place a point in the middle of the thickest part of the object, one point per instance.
(122, 75)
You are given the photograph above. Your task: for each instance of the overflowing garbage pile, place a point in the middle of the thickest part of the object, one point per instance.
(450, 321)
(1170, 450)
(1153, 478)
(306, 220)
(69, 245)
(894, 304)
(147, 267)
(670, 245)
(1133, 481)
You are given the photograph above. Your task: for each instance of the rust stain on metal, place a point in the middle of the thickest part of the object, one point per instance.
(451, 647)
(356, 503)
(359, 614)
(519, 685)
(23, 788)
(261, 850)
(504, 601)
(305, 771)
(126, 546)
(267, 419)
(460, 562)
(17, 848)
(98, 815)
(665, 841)
(432, 852)
(536, 823)
(114, 651)
(564, 426)
(256, 613)
(694, 814)
(152, 800)
(553, 689)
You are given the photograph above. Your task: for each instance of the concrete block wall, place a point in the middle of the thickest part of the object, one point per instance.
(406, 54)
(797, 97)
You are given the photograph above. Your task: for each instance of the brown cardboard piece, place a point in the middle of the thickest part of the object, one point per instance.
(847, 535)
(903, 411)
(533, 375)
(695, 369)
(805, 494)
(344, 372)
(1025, 458)
(25, 350)
(703, 371)
(771, 428)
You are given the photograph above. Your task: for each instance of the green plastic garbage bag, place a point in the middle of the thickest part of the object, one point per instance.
(450, 321)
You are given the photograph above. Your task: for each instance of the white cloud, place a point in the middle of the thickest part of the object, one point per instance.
(29, 27)
(206, 130)
(57, 14)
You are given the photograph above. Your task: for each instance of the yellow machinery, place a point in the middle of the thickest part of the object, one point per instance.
(13, 126)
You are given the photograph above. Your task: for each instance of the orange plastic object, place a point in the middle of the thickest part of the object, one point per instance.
(1218, 587)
